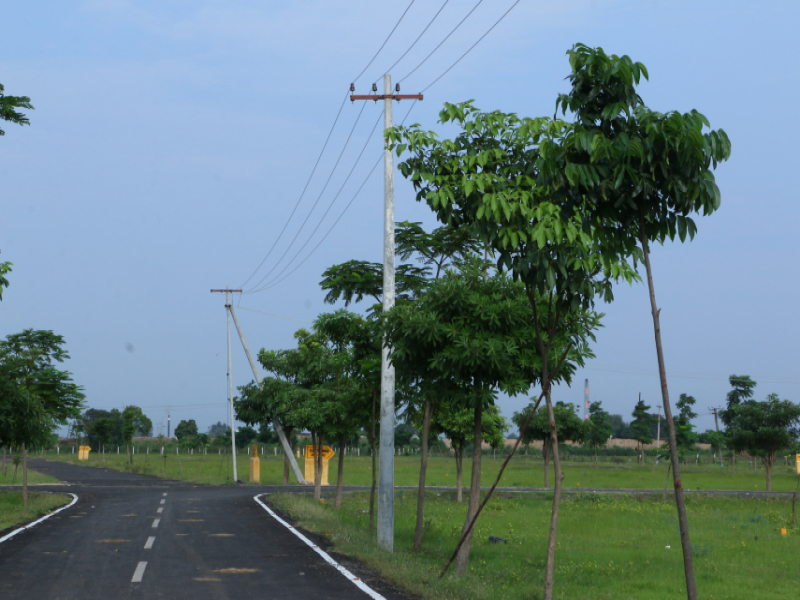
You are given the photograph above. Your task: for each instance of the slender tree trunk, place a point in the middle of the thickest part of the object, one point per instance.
(459, 473)
(546, 454)
(423, 470)
(315, 443)
(683, 522)
(558, 477)
(474, 494)
(526, 455)
(374, 465)
(768, 465)
(339, 475)
(4, 461)
(288, 432)
(24, 476)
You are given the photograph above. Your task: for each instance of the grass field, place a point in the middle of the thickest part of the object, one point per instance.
(216, 469)
(608, 546)
(33, 476)
(12, 512)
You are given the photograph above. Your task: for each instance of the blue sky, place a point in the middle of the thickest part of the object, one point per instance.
(171, 140)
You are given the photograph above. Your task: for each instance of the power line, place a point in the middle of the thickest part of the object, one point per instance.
(369, 137)
(297, 204)
(473, 45)
(340, 215)
(442, 42)
(678, 376)
(384, 41)
(416, 40)
(308, 216)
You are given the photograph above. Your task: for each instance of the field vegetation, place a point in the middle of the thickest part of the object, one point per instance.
(14, 512)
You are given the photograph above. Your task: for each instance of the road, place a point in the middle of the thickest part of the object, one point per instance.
(136, 536)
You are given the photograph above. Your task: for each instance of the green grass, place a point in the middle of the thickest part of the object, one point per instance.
(33, 476)
(216, 469)
(13, 513)
(608, 546)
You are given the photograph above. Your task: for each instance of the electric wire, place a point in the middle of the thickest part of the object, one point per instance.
(343, 211)
(471, 47)
(311, 235)
(389, 70)
(297, 204)
(385, 41)
(308, 216)
(424, 60)
(686, 376)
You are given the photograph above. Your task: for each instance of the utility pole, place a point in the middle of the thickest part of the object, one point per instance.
(586, 400)
(287, 449)
(386, 453)
(716, 424)
(658, 434)
(230, 377)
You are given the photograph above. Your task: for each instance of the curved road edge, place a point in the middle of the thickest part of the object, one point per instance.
(44, 518)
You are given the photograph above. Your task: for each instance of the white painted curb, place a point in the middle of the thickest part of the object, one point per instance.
(360, 584)
(44, 518)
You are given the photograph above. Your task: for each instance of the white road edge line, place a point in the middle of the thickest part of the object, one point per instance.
(164, 494)
(139, 572)
(149, 543)
(44, 518)
(358, 583)
(155, 523)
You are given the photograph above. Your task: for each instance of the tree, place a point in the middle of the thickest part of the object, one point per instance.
(142, 426)
(8, 112)
(128, 429)
(35, 397)
(635, 175)
(570, 428)
(468, 337)
(599, 430)
(485, 179)
(186, 429)
(245, 436)
(763, 429)
(458, 426)
(218, 429)
(640, 427)
(742, 390)
(684, 434)
(5, 268)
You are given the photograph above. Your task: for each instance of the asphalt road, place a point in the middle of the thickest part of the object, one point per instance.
(136, 536)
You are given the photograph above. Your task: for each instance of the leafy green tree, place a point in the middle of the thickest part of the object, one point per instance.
(35, 397)
(571, 428)
(245, 436)
(5, 269)
(142, 425)
(635, 175)
(459, 425)
(620, 429)
(186, 429)
(217, 429)
(742, 390)
(763, 429)
(102, 431)
(8, 110)
(684, 434)
(599, 428)
(640, 427)
(128, 429)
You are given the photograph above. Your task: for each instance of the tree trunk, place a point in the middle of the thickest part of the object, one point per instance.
(545, 446)
(374, 465)
(317, 470)
(595, 458)
(288, 433)
(474, 494)
(768, 461)
(558, 476)
(459, 473)
(4, 461)
(24, 476)
(423, 470)
(683, 522)
(339, 475)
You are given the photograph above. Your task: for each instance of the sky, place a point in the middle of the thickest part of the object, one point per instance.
(172, 140)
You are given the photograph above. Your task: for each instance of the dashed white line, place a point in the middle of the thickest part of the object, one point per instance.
(356, 580)
(163, 501)
(164, 494)
(155, 523)
(139, 572)
(149, 543)
(160, 510)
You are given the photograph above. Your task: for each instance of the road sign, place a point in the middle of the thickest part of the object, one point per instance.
(327, 452)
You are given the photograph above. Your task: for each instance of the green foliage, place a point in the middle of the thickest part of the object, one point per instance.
(640, 426)
(142, 425)
(8, 106)
(599, 427)
(245, 436)
(684, 434)
(458, 426)
(5, 269)
(569, 426)
(763, 429)
(742, 390)
(186, 429)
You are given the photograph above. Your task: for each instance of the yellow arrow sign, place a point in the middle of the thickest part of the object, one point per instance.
(327, 452)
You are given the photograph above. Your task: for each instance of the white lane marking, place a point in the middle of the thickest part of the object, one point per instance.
(164, 494)
(44, 518)
(155, 523)
(160, 510)
(149, 543)
(163, 502)
(360, 584)
(139, 572)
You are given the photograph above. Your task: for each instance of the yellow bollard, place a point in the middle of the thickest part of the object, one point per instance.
(327, 454)
(83, 452)
(798, 464)
(255, 465)
(783, 530)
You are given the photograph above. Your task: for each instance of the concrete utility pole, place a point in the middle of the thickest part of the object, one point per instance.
(287, 449)
(658, 433)
(386, 453)
(716, 424)
(230, 378)
(586, 400)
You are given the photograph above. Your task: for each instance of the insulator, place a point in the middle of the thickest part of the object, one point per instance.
(352, 87)
(397, 87)
(374, 87)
